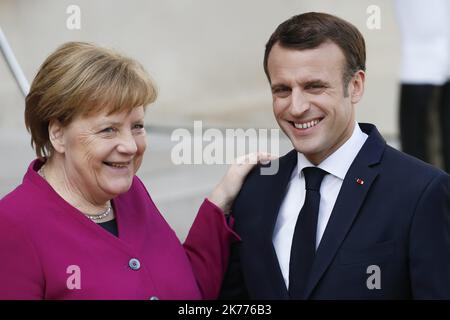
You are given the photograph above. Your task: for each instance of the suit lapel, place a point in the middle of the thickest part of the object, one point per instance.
(348, 203)
(274, 192)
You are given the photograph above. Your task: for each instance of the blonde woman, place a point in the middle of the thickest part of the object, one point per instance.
(82, 225)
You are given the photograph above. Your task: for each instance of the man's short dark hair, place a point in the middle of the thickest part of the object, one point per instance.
(310, 30)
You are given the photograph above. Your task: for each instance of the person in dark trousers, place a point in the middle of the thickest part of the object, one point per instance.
(424, 79)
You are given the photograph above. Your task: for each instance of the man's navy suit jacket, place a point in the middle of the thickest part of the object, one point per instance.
(397, 220)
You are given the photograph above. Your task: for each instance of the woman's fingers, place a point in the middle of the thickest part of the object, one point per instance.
(244, 164)
(226, 191)
(254, 158)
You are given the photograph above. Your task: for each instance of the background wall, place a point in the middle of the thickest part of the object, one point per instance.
(205, 56)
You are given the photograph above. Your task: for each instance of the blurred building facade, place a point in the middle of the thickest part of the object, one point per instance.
(206, 58)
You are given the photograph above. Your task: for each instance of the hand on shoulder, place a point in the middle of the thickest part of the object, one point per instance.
(228, 188)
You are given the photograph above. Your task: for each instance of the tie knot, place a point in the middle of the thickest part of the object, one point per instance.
(313, 178)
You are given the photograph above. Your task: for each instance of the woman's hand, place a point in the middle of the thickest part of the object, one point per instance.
(226, 191)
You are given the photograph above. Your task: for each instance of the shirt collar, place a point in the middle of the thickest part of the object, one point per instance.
(339, 161)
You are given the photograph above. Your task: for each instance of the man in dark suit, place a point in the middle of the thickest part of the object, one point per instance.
(346, 216)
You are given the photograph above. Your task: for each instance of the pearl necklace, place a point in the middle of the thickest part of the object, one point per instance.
(100, 215)
(93, 217)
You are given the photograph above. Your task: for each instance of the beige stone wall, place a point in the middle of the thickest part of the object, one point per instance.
(205, 55)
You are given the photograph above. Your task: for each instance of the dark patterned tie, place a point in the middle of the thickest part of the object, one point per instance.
(303, 247)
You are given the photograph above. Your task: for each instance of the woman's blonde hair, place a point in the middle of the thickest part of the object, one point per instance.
(81, 79)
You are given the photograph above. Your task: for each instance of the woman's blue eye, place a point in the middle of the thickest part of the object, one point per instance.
(109, 130)
(139, 126)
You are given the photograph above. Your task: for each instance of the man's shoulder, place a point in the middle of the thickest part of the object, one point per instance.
(393, 161)
(275, 170)
(266, 182)
(408, 177)
(399, 163)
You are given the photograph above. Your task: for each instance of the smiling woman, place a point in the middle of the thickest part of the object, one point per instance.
(81, 79)
(81, 207)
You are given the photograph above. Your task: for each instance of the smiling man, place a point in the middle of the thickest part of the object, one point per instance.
(346, 216)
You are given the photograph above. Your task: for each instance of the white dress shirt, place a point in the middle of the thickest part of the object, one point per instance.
(337, 165)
